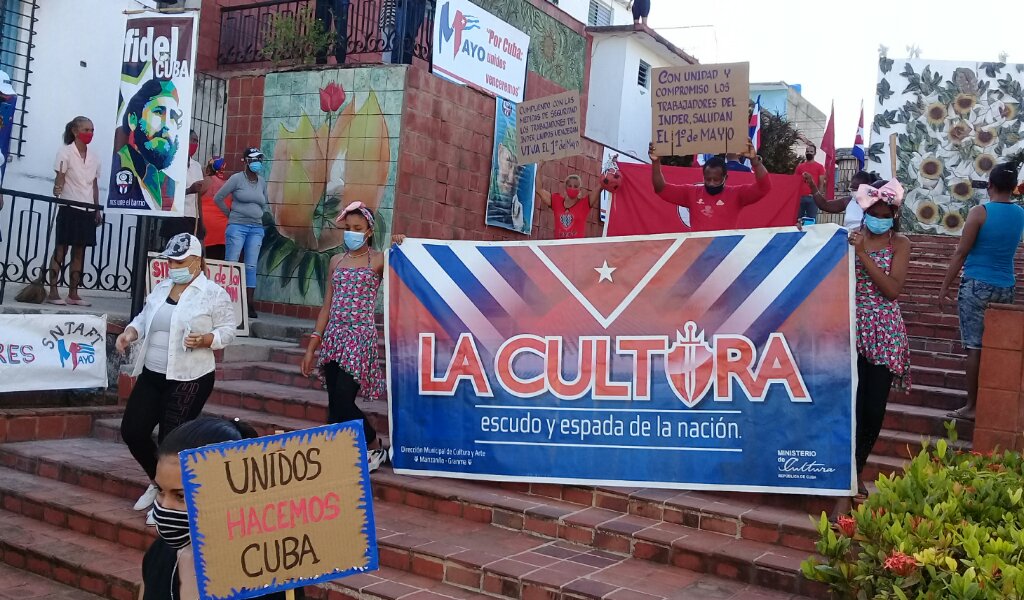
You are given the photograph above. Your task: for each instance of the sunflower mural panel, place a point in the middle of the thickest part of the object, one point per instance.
(953, 122)
(332, 138)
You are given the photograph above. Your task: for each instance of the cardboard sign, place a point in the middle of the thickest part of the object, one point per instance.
(228, 275)
(280, 512)
(549, 128)
(700, 109)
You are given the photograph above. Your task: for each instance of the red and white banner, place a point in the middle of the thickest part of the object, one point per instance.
(637, 210)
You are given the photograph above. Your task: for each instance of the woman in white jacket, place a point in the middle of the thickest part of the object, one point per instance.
(186, 318)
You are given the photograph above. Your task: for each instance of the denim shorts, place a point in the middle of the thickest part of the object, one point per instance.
(973, 299)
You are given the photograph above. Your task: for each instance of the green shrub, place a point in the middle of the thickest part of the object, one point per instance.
(950, 527)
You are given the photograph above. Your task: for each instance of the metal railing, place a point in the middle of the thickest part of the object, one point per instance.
(402, 29)
(29, 240)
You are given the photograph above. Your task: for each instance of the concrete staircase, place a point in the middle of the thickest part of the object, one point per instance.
(67, 527)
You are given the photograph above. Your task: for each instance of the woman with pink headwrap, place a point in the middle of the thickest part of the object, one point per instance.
(346, 333)
(883, 352)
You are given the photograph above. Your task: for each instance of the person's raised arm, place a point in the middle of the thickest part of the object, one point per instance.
(657, 177)
(543, 195)
(823, 203)
(975, 219)
(749, 194)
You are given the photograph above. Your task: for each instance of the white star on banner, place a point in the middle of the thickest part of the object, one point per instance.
(605, 272)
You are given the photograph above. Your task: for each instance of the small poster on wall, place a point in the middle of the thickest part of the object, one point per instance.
(510, 199)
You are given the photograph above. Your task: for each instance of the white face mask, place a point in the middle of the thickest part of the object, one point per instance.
(180, 275)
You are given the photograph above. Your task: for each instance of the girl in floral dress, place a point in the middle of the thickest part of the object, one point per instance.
(883, 352)
(346, 333)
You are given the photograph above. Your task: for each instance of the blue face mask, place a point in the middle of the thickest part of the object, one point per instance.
(354, 240)
(180, 275)
(256, 167)
(877, 226)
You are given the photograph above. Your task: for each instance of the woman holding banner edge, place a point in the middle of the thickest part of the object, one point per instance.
(346, 332)
(168, 568)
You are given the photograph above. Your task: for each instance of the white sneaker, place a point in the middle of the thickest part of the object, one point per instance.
(375, 458)
(150, 521)
(147, 498)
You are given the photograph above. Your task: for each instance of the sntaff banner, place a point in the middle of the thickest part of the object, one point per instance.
(154, 115)
(720, 361)
(52, 352)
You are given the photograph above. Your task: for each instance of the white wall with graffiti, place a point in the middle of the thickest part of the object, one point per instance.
(951, 122)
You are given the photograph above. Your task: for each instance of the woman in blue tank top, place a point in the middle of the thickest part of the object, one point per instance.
(986, 252)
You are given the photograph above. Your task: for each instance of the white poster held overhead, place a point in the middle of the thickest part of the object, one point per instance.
(52, 352)
(475, 48)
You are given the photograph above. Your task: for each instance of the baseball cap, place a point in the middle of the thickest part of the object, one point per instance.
(253, 153)
(5, 84)
(182, 246)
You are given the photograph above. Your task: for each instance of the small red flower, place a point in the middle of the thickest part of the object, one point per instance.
(997, 467)
(847, 525)
(332, 97)
(900, 564)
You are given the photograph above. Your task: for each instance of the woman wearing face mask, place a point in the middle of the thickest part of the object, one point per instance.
(248, 191)
(77, 179)
(215, 221)
(345, 331)
(853, 213)
(571, 208)
(882, 256)
(168, 569)
(186, 317)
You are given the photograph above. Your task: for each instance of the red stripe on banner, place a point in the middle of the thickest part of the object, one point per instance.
(637, 210)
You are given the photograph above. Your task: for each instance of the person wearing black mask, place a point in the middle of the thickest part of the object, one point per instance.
(713, 206)
(168, 568)
(808, 208)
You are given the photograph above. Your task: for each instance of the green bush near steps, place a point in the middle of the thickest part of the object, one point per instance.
(951, 527)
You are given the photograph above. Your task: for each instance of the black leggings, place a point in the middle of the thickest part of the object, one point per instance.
(641, 8)
(158, 401)
(342, 389)
(873, 387)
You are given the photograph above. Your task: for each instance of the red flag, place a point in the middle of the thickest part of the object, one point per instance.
(828, 144)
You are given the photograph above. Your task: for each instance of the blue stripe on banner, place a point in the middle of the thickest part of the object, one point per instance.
(703, 266)
(514, 275)
(468, 283)
(802, 286)
(756, 272)
(427, 295)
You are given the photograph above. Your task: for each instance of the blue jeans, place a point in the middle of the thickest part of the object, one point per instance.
(248, 238)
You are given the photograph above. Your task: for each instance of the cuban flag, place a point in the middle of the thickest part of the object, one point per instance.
(858, 142)
(755, 125)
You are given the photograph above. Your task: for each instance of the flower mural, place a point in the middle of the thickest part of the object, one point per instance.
(953, 123)
(330, 144)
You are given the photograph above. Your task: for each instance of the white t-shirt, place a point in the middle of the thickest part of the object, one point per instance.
(854, 216)
(79, 173)
(195, 175)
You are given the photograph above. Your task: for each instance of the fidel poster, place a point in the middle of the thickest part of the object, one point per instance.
(699, 361)
(150, 162)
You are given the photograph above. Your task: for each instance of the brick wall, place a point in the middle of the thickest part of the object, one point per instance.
(445, 163)
(245, 118)
(999, 422)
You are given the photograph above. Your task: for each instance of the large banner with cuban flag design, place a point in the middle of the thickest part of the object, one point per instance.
(696, 361)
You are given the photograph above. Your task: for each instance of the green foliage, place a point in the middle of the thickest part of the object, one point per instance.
(778, 136)
(952, 526)
(297, 37)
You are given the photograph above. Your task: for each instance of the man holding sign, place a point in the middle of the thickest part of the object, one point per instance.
(713, 206)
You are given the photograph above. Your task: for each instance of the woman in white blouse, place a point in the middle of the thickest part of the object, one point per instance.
(186, 318)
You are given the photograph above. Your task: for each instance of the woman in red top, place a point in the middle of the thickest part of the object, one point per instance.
(570, 212)
(213, 218)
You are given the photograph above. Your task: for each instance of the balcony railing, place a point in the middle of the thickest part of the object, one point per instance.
(396, 31)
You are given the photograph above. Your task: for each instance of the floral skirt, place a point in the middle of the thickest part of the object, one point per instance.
(355, 351)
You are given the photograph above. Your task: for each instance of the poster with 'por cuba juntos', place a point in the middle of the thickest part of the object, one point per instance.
(150, 157)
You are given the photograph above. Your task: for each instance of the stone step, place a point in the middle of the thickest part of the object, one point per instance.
(937, 360)
(73, 559)
(903, 445)
(923, 420)
(17, 584)
(939, 397)
(268, 372)
(952, 379)
(945, 346)
(456, 551)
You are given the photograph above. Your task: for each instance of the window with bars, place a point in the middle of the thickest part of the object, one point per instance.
(643, 77)
(17, 30)
(600, 14)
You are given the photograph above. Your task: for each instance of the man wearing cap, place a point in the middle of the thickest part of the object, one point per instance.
(248, 191)
(191, 222)
(147, 143)
(186, 317)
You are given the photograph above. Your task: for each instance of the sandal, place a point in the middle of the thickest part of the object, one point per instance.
(58, 301)
(78, 302)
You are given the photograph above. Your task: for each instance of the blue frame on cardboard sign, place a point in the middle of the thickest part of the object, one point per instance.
(191, 487)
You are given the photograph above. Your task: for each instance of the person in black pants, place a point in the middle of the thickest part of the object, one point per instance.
(641, 9)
